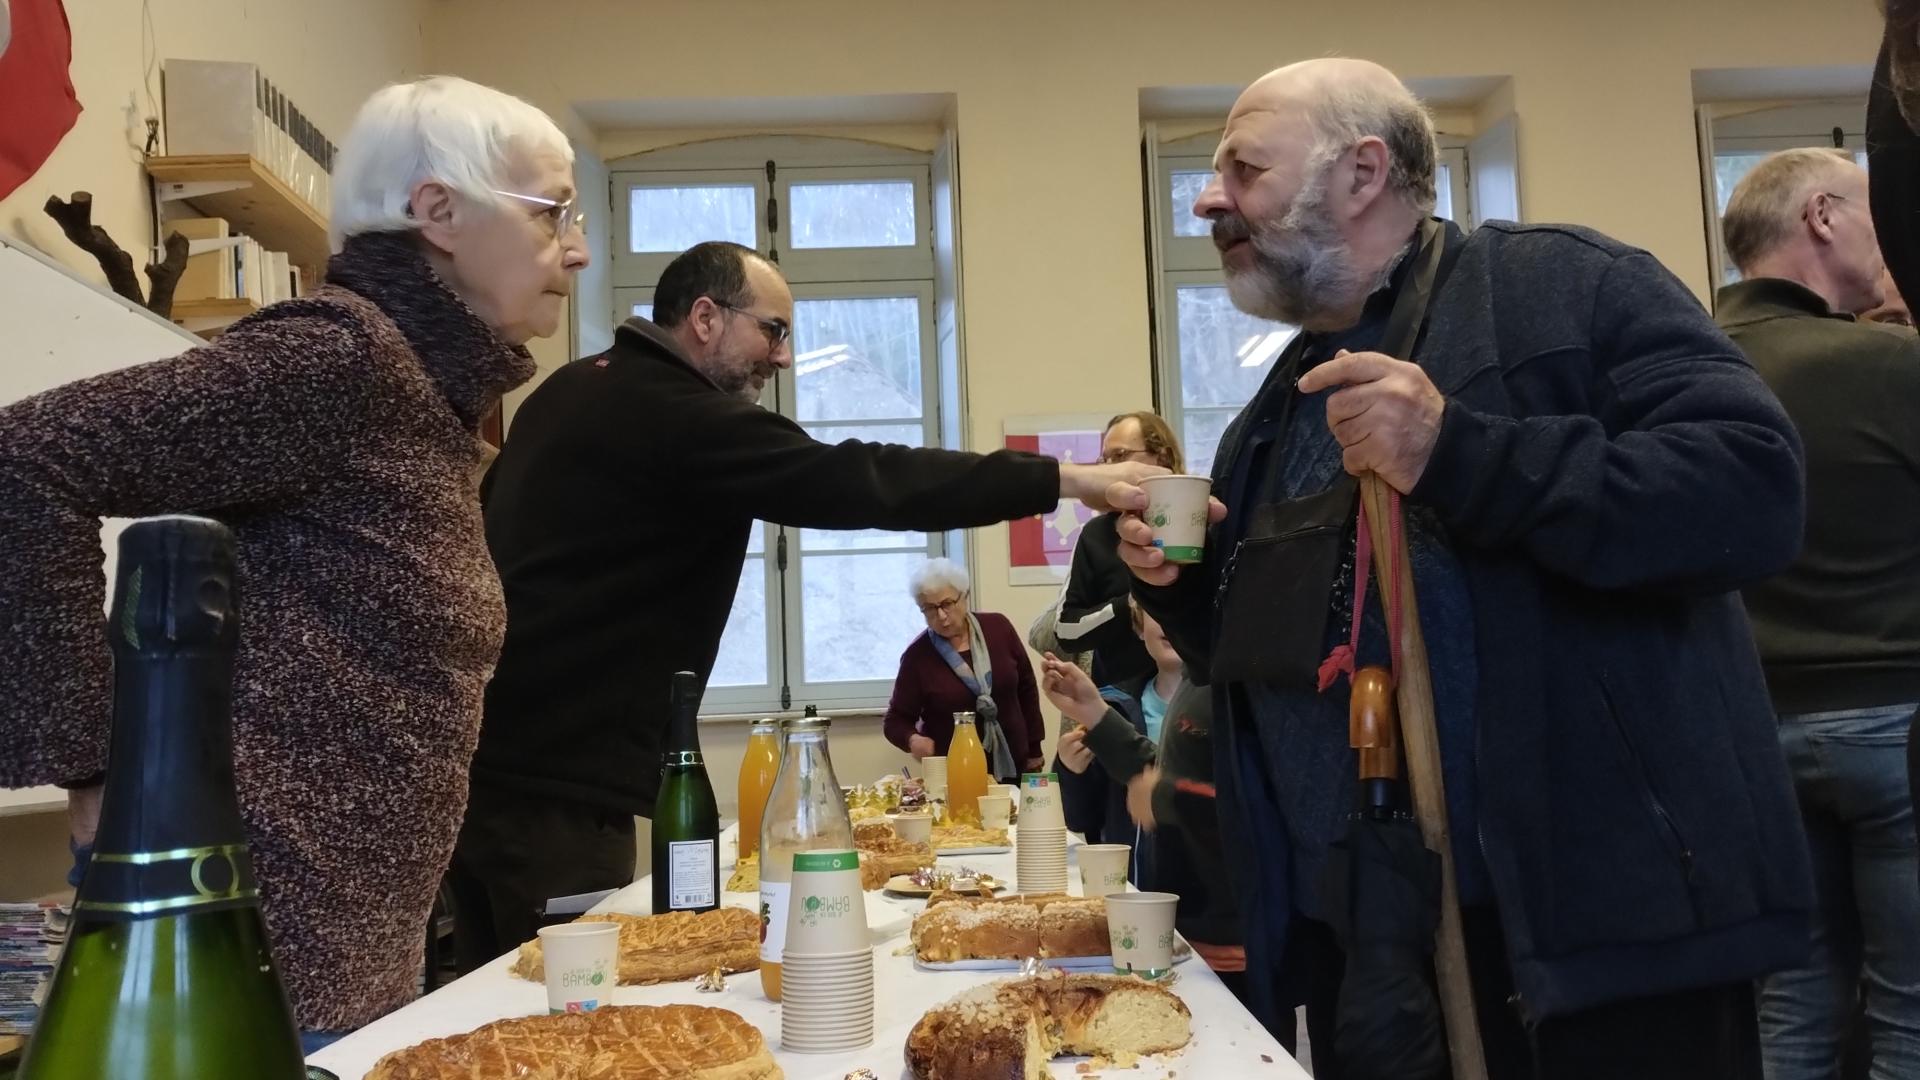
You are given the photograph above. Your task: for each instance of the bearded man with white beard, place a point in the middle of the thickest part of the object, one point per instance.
(1589, 470)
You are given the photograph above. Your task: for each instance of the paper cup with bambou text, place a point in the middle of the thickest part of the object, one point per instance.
(1140, 925)
(1177, 514)
(1103, 868)
(582, 961)
(826, 907)
(1040, 806)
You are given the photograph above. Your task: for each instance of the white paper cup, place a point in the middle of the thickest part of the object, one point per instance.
(996, 811)
(1011, 791)
(1103, 868)
(827, 1005)
(826, 907)
(834, 1045)
(1140, 926)
(809, 963)
(582, 961)
(1031, 884)
(1040, 860)
(914, 828)
(1177, 513)
(1040, 802)
(933, 772)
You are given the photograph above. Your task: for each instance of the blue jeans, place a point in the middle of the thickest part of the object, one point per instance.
(1850, 769)
(312, 1042)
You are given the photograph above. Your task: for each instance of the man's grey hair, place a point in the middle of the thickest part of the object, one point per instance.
(1343, 115)
(1767, 203)
(940, 574)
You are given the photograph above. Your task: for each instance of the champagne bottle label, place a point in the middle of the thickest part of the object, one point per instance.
(773, 919)
(690, 874)
(126, 886)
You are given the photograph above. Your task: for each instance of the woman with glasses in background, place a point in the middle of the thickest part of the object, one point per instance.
(965, 662)
(337, 435)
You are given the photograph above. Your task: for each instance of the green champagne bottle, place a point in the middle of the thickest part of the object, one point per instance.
(167, 973)
(686, 820)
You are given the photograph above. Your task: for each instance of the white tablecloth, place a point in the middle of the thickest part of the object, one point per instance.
(1227, 1040)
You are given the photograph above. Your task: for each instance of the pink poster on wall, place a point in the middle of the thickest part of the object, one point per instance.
(1041, 548)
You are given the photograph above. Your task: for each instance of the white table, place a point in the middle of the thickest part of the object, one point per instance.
(1227, 1040)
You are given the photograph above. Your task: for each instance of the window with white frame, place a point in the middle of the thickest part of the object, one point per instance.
(1213, 356)
(1740, 137)
(820, 616)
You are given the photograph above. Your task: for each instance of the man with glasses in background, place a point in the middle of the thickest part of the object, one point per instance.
(618, 514)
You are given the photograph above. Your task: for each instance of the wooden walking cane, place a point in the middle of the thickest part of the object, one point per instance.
(1420, 736)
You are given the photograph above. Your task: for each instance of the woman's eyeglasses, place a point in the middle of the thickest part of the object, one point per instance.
(944, 607)
(565, 215)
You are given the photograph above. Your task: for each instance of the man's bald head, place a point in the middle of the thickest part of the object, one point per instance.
(1343, 101)
(1323, 173)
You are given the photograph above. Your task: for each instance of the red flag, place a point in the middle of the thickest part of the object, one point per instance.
(37, 103)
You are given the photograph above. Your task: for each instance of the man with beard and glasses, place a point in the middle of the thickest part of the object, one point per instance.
(618, 514)
(1590, 469)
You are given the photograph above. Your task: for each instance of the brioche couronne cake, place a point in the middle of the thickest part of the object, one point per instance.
(1014, 1028)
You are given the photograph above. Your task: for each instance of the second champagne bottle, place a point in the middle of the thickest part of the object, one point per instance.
(686, 819)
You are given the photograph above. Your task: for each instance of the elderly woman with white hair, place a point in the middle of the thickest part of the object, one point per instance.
(965, 662)
(336, 435)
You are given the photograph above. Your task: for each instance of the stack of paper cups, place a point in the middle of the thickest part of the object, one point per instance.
(826, 967)
(935, 779)
(1040, 843)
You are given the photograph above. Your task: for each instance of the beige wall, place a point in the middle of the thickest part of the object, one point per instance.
(1046, 101)
(327, 56)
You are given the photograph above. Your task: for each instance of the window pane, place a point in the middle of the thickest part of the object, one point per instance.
(673, 219)
(1224, 353)
(1728, 169)
(857, 359)
(757, 539)
(1202, 437)
(743, 647)
(645, 311)
(1186, 187)
(853, 215)
(838, 540)
(857, 615)
(1443, 191)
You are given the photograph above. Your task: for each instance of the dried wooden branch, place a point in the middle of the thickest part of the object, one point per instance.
(165, 274)
(76, 220)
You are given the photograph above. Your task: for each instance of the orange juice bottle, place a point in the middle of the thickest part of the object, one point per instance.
(966, 770)
(757, 771)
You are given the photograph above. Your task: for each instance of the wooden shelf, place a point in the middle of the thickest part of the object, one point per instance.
(31, 800)
(256, 202)
(208, 317)
(212, 309)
